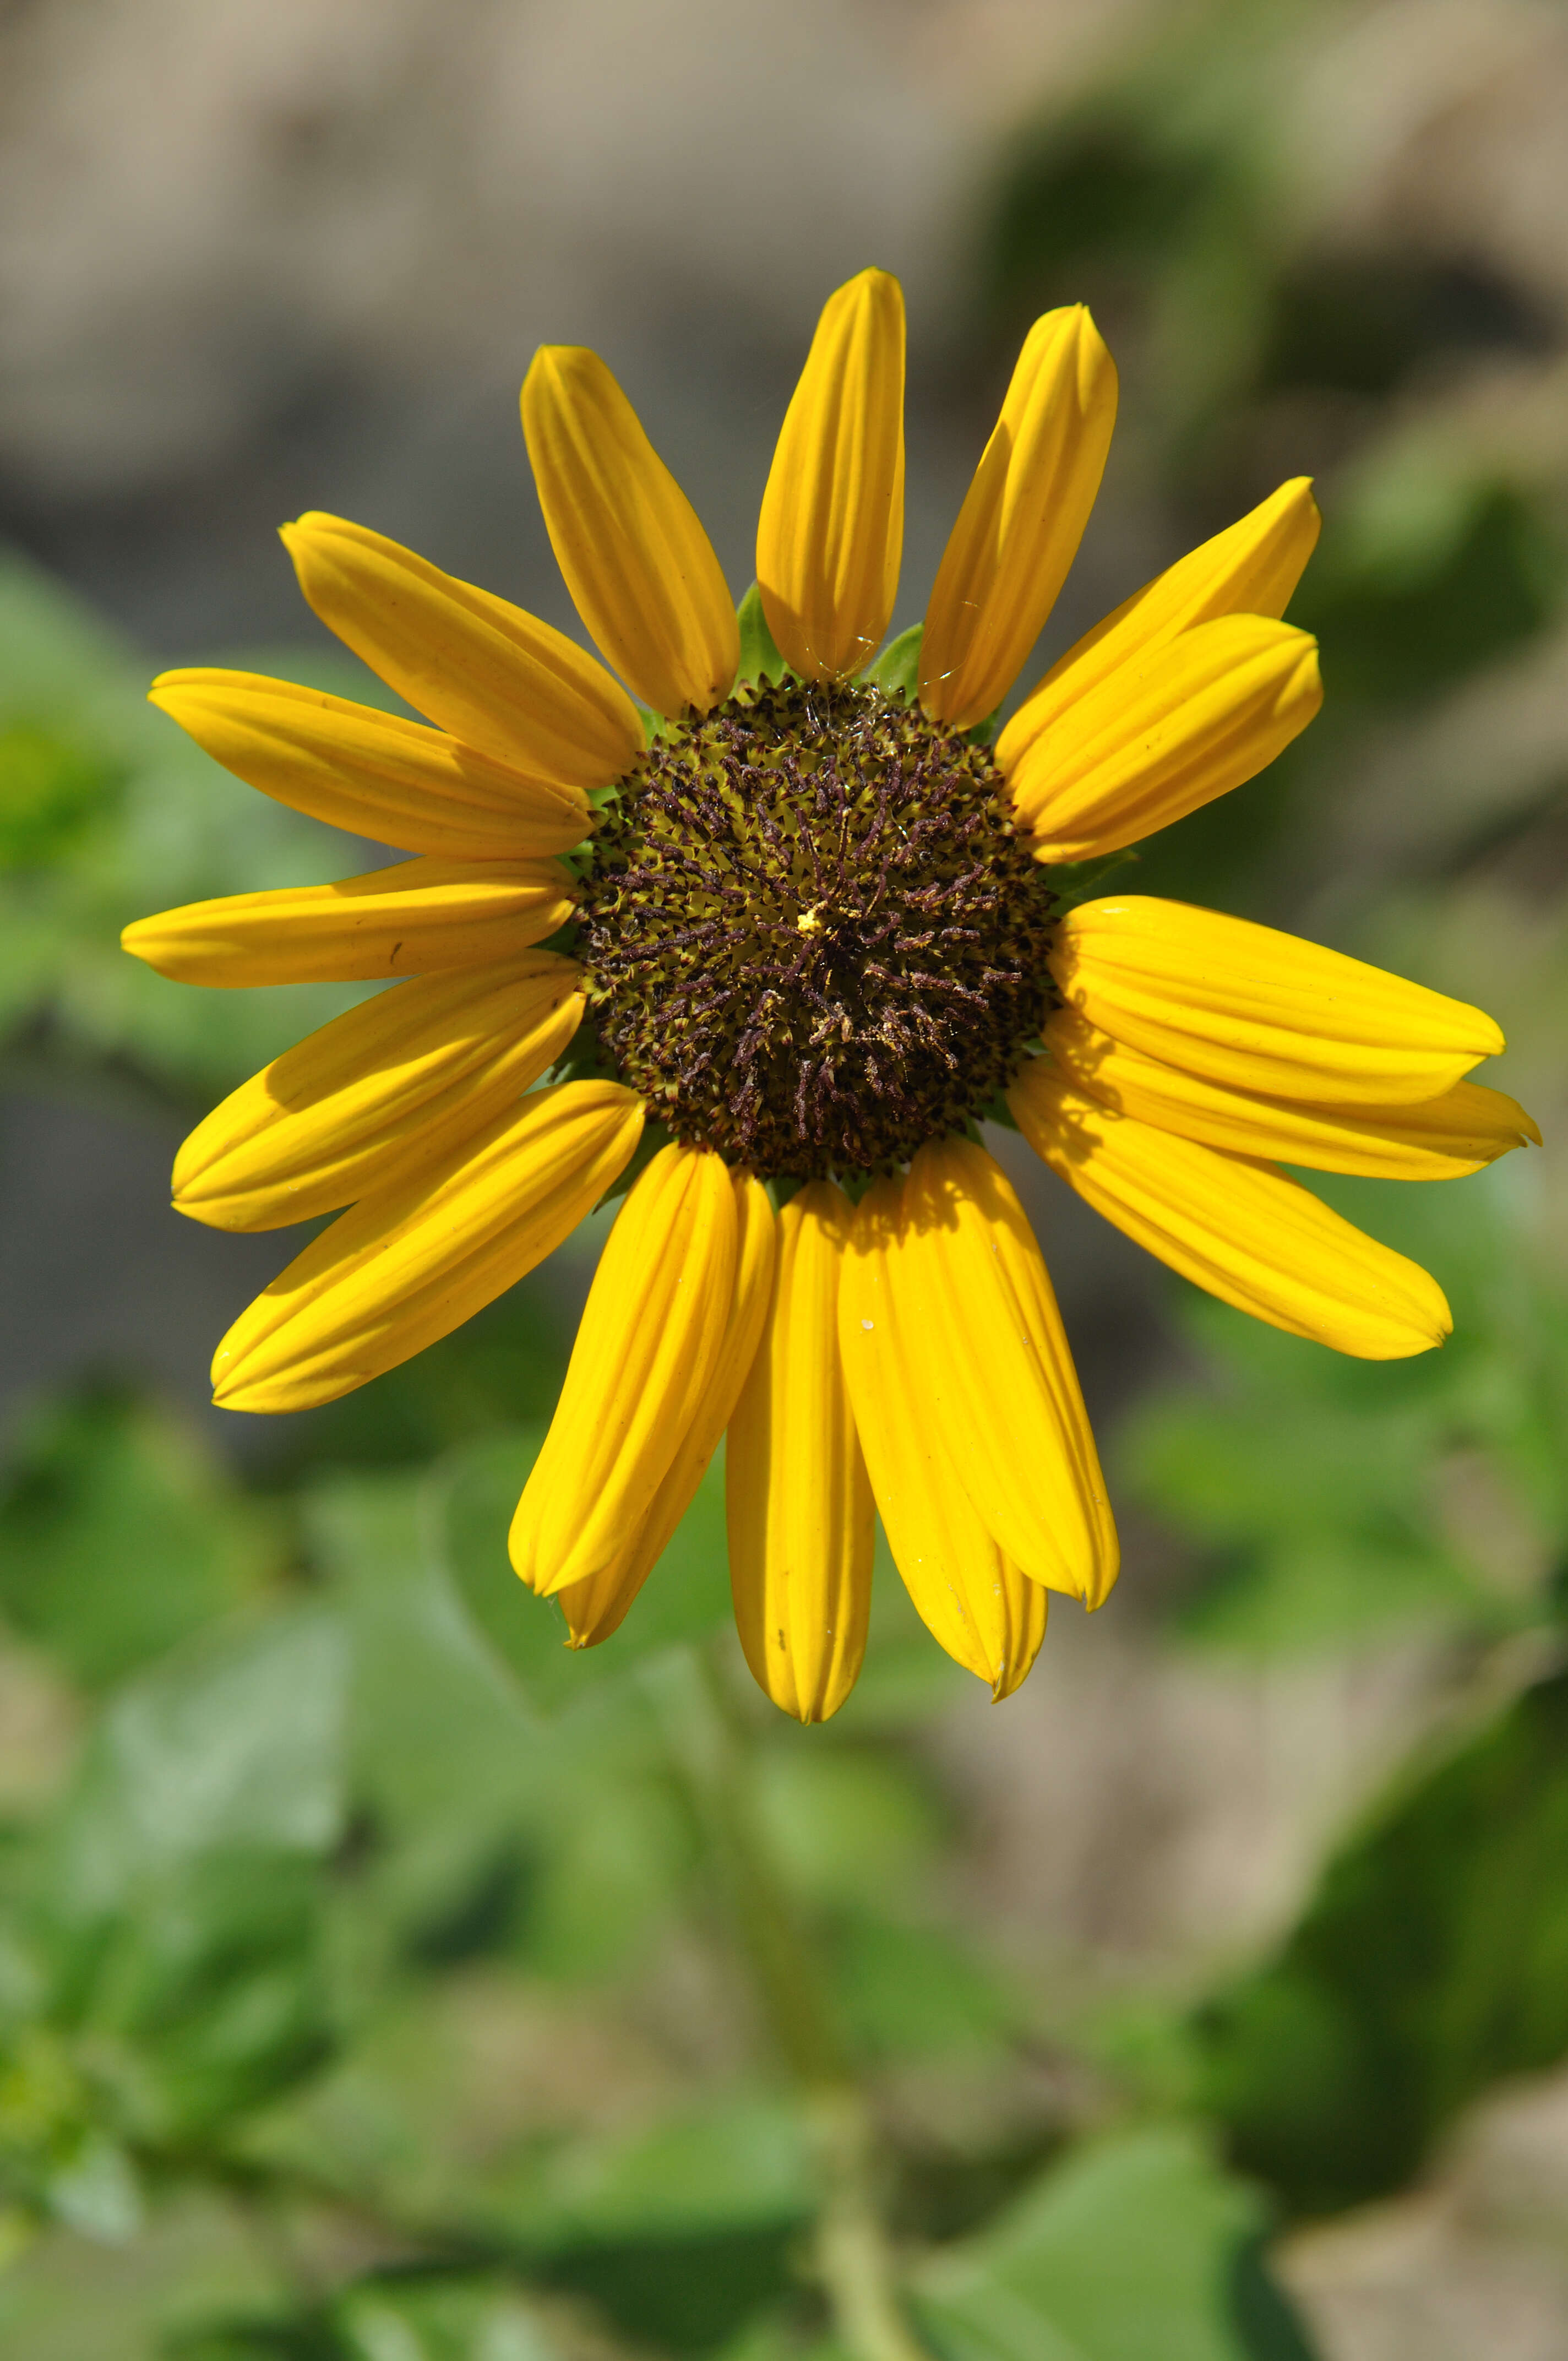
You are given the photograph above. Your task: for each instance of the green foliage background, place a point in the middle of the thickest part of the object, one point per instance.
(365, 1992)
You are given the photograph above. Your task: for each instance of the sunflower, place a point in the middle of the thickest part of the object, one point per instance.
(759, 951)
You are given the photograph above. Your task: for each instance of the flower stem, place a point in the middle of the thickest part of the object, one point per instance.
(853, 2255)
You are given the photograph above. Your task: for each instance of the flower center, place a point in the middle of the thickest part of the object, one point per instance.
(812, 938)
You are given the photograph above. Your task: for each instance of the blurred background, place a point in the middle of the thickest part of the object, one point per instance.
(364, 1994)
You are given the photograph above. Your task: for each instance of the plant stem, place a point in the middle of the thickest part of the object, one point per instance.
(853, 2255)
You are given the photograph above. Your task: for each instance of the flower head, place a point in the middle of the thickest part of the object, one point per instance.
(783, 938)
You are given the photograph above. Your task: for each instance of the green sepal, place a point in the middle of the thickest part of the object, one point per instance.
(984, 733)
(760, 658)
(996, 1109)
(1074, 881)
(564, 940)
(656, 725)
(897, 670)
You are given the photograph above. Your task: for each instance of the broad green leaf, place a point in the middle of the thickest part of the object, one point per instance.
(121, 1534)
(1432, 1961)
(909, 1990)
(1137, 2248)
(1332, 1497)
(851, 1826)
(739, 2163)
(613, 1864)
(236, 1743)
(443, 1753)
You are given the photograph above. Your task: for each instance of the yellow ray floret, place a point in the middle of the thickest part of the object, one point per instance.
(652, 1337)
(388, 1090)
(1237, 1228)
(1251, 568)
(406, 920)
(1170, 730)
(992, 1369)
(802, 1526)
(410, 1265)
(497, 678)
(1021, 519)
(1469, 1127)
(641, 569)
(370, 772)
(1262, 1011)
(982, 1607)
(595, 1607)
(830, 534)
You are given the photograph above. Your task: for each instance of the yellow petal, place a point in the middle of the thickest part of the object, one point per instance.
(1263, 1011)
(652, 1337)
(831, 530)
(1021, 519)
(1251, 568)
(596, 1607)
(641, 569)
(1176, 725)
(411, 1264)
(371, 772)
(499, 679)
(406, 920)
(1467, 1127)
(1236, 1228)
(982, 1608)
(802, 1527)
(995, 1370)
(387, 1090)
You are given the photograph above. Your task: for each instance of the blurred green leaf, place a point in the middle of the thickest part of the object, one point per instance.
(1137, 2246)
(52, 787)
(172, 1908)
(1322, 1519)
(908, 1990)
(1332, 1499)
(206, 1997)
(847, 1825)
(1431, 580)
(740, 2162)
(685, 1596)
(236, 1742)
(451, 2317)
(1432, 1961)
(120, 1534)
(114, 813)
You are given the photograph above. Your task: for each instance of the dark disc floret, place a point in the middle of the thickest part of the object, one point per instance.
(813, 940)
